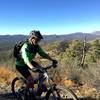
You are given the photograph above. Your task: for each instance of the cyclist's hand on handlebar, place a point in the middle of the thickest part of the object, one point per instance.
(54, 63)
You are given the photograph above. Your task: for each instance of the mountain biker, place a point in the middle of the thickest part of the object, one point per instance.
(28, 52)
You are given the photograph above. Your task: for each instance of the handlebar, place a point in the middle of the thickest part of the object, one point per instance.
(42, 70)
(48, 67)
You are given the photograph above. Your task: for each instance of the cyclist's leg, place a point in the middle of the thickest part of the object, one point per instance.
(30, 83)
(40, 78)
(24, 71)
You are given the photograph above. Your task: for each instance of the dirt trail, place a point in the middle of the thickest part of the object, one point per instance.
(6, 96)
(9, 96)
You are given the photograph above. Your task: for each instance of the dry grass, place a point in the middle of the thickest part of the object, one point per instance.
(6, 75)
(85, 90)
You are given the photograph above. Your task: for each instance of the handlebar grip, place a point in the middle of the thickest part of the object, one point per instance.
(54, 63)
(54, 66)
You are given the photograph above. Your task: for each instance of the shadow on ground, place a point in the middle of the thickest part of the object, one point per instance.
(9, 96)
(87, 99)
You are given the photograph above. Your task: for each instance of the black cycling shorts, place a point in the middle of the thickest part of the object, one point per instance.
(24, 70)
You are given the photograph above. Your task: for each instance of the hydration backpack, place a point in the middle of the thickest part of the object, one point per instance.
(17, 48)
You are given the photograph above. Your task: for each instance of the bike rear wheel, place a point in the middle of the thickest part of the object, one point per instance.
(60, 93)
(18, 87)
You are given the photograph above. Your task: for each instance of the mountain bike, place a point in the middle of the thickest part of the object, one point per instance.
(44, 88)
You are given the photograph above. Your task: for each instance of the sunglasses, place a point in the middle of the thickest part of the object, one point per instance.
(37, 39)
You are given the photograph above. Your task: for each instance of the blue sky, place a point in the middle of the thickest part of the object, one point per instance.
(49, 16)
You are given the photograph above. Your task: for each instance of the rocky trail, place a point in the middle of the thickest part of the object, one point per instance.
(9, 96)
(6, 96)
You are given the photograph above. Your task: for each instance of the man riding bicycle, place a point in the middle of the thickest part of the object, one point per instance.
(28, 52)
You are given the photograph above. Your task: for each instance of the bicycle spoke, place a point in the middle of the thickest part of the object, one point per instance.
(60, 93)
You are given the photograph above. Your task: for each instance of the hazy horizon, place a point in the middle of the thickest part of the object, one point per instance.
(51, 34)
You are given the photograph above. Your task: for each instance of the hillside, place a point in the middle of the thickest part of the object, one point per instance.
(8, 41)
(75, 71)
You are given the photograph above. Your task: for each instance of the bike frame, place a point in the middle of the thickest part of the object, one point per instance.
(46, 77)
(51, 88)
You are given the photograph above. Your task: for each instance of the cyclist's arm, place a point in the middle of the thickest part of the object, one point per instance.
(30, 65)
(44, 54)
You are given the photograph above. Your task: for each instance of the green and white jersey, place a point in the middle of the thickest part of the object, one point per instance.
(28, 53)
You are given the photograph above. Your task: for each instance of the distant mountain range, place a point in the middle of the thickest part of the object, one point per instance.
(8, 41)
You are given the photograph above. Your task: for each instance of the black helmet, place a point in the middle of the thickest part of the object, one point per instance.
(35, 33)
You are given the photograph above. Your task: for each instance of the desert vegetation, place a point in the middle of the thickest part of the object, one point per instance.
(79, 66)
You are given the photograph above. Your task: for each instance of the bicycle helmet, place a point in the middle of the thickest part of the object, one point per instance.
(36, 34)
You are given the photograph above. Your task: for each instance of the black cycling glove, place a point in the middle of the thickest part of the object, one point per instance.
(54, 63)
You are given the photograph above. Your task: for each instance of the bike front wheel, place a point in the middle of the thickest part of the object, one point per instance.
(60, 93)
